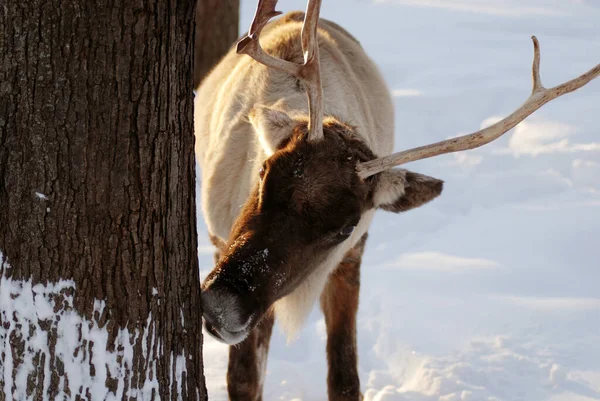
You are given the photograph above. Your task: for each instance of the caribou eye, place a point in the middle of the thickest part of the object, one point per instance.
(261, 172)
(346, 231)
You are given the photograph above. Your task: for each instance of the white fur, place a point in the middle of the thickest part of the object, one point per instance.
(261, 364)
(272, 126)
(390, 187)
(292, 310)
(231, 149)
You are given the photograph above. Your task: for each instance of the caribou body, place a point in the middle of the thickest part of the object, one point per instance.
(280, 238)
(289, 187)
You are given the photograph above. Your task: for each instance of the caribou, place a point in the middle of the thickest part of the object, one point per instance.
(290, 186)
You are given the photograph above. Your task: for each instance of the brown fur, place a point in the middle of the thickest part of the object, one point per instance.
(418, 190)
(285, 245)
(339, 302)
(219, 244)
(296, 213)
(247, 365)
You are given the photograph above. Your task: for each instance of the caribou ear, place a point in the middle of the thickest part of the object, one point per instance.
(272, 126)
(399, 190)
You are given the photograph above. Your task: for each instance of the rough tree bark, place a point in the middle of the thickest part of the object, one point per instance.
(99, 294)
(216, 30)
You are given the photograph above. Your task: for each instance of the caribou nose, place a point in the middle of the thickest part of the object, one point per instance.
(225, 313)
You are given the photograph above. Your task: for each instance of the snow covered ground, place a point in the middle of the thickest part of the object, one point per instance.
(492, 291)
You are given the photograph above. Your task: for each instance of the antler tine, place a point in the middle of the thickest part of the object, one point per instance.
(309, 72)
(535, 67)
(539, 97)
(265, 10)
(312, 70)
(251, 46)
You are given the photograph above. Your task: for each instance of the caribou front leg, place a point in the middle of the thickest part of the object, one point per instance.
(248, 363)
(339, 302)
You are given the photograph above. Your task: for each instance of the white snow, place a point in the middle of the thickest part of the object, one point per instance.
(439, 261)
(29, 313)
(491, 291)
(177, 371)
(406, 92)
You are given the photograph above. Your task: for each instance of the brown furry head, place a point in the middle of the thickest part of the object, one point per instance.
(303, 210)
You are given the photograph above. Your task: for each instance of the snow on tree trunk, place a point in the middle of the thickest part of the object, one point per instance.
(99, 286)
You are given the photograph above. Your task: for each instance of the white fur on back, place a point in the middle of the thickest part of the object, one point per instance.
(230, 152)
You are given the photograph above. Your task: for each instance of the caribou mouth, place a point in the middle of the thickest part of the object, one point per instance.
(226, 313)
(225, 336)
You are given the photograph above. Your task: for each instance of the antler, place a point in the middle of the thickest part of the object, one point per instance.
(309, 72)
(539, 97)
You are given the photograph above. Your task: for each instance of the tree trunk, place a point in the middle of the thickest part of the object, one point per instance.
(99, 286)
(216, 31)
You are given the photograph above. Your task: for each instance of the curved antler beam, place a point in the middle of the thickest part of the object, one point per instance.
(309, 72)
(539, 97)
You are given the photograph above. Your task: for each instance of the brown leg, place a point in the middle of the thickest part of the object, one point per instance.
(219, 244)
(339, 302)
(248, 363)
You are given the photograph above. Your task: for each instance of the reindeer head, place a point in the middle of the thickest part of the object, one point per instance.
(318, 188)
(304, 213)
